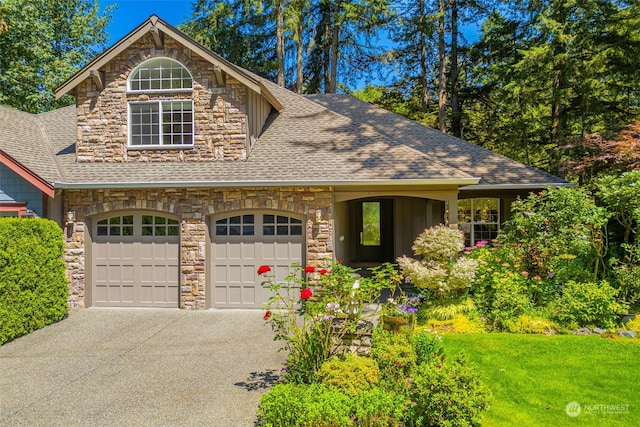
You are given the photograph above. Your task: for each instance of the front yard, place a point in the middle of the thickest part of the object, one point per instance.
(533, 378)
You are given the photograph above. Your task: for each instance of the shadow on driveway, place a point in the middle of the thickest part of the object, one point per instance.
(140, 367)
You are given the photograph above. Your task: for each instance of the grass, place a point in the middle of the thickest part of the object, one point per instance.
(534, 377)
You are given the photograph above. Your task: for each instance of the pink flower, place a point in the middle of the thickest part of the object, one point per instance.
(537, 277)
(263, 269)
(305, 294)
(309, 269)
(524, 273)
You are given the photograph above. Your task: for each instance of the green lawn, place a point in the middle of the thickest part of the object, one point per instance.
(533, 378)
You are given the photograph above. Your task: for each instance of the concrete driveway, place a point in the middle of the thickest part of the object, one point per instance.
(140, 367)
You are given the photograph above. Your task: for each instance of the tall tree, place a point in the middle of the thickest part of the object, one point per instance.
(44, 42)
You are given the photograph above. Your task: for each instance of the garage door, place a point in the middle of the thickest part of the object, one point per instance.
(243, 242)
(135, 261)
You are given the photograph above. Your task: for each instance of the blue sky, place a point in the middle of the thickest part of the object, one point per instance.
(128, 14)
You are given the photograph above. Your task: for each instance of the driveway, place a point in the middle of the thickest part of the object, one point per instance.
(140, 367)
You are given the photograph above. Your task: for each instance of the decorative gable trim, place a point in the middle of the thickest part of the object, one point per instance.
(26, 174)
(157, 27)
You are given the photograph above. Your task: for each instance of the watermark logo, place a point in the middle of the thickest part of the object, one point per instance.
(573, 409)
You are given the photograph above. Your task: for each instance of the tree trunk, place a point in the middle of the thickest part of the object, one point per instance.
(335, 44)
(424, 96)
(442, 76)
(280, 41)
(328, 12)
(300, 48)
(456, 127)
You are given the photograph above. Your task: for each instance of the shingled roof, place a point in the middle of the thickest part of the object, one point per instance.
(313, 140)
(494, 169)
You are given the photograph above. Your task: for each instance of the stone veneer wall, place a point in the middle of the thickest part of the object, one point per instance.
(193, 206)
(220, 121)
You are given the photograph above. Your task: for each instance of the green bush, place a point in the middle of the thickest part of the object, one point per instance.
(588, 304)
(447, 395)
(305, 406)
(528, 324)
(350, 375)
(378, 408)
(427, 346)
(33, 284)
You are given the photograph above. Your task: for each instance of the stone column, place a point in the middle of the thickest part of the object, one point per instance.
(193, 264)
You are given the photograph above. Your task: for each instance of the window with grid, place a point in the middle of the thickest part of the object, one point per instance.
(116, 226)
(479, 219)
(160, 74)
(239, 225)
(165, 122)
(278, 225)
(161, 123)
(159, 226)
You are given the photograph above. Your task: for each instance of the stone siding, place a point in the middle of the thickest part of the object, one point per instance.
(220, 120)
(194, 206)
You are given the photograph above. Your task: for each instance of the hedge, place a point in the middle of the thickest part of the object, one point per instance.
(33, 283)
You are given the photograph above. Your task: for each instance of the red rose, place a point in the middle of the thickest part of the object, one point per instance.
(339, 261)
(263, 269)
(267, 315)
(305, 294)
(323, 271)
(309, 269)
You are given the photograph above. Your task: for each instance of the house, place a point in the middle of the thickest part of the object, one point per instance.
(176, 174)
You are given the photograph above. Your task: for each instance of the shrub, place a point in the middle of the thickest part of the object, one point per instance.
(450, 395)
(508, 299)
(395, 357)
(33, 284)
(441, 272)
(588, 304)
(527, 324)
(427, 346)
(350, 375)
(551, 223)
(379, 408)
(460, 324)
(306, 406)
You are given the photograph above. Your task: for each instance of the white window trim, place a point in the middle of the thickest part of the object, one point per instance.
(151, 91)
(161, 145)
(473, 222)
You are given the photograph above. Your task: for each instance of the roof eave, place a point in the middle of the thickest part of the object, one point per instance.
(292, 183)
(528, 186)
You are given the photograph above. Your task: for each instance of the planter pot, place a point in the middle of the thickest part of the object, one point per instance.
(398, 323)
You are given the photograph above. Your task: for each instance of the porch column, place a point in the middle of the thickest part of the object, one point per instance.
(452, 203)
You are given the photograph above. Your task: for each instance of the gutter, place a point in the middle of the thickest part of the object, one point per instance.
(516, 186)
(230, 184)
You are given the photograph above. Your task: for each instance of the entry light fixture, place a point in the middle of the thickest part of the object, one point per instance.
(71, 217)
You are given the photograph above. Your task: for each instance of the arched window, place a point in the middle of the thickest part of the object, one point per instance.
(160, 74)
(164, 121)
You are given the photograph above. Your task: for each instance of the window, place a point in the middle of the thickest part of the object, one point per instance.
(479, 219)
(116, 226)
(240, 225)
(160, 74)
(159, 226)
(370, 224)
(166, 122)
(278, 225)
(161, 123)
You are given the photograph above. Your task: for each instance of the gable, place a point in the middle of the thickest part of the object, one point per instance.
(217, 117)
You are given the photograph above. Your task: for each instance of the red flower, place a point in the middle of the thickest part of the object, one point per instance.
(267, 315)
(305, 294)
(263, 269)
(309, 269)
(339, 261)
(323, 271)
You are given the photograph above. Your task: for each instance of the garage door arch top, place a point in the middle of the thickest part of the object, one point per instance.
(134, 259)
(241, 242)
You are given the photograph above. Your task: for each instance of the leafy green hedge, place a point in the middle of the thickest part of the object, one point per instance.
(33, 284)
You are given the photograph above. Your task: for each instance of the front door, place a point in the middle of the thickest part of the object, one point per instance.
(374, 228)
